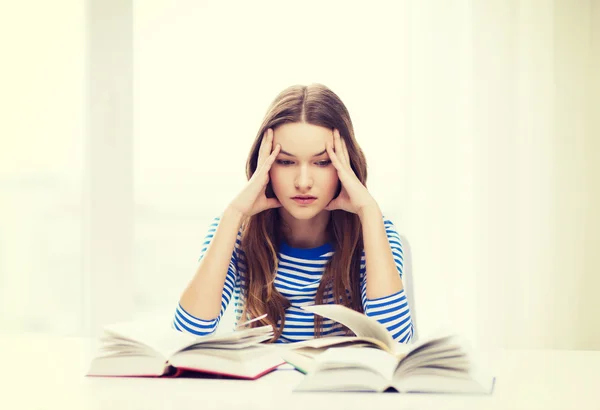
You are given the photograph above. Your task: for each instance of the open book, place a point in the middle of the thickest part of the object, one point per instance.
(153, 349)
(373, 361)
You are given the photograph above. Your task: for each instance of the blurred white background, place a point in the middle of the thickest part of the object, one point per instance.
(125, 128)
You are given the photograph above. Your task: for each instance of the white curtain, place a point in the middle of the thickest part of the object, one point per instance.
(501, 163)
(480, 124)
(41, 165)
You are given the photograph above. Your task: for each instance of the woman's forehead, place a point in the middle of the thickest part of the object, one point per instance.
(302, 139)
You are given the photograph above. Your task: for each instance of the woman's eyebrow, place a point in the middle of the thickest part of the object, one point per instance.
(292, 155)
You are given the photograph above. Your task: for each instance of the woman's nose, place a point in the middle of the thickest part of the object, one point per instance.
(304, 179)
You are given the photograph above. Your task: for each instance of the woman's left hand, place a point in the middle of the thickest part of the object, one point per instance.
(354, 196)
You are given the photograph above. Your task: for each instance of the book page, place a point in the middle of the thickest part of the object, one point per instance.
(378, 361)
(157, 336)
(301, 362)
(343, 380)
(338, 341)
(166, 341)
(238, 336)
(360, 324)
(229, 345)
(441, 365)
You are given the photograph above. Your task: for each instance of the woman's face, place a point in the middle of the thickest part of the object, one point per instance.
(303, 168)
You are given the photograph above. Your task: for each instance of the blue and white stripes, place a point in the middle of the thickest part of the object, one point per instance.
(298, 275)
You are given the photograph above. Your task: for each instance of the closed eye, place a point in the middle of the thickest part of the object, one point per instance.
(319, 163)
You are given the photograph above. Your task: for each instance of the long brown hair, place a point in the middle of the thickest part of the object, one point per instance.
(261, 233)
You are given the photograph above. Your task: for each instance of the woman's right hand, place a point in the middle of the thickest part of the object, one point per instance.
(253, 199)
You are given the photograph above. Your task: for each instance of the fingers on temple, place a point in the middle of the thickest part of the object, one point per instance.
(265, 148)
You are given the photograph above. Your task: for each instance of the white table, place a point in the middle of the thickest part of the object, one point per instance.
(48, 373)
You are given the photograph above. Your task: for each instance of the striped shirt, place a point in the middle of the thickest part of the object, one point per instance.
(299, 273)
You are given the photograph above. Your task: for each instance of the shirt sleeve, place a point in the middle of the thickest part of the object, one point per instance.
(186, 322)
(392, 311)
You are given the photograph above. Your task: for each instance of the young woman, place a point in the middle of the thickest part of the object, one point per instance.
(305, 230)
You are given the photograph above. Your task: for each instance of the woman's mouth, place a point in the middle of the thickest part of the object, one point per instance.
(304, 200)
